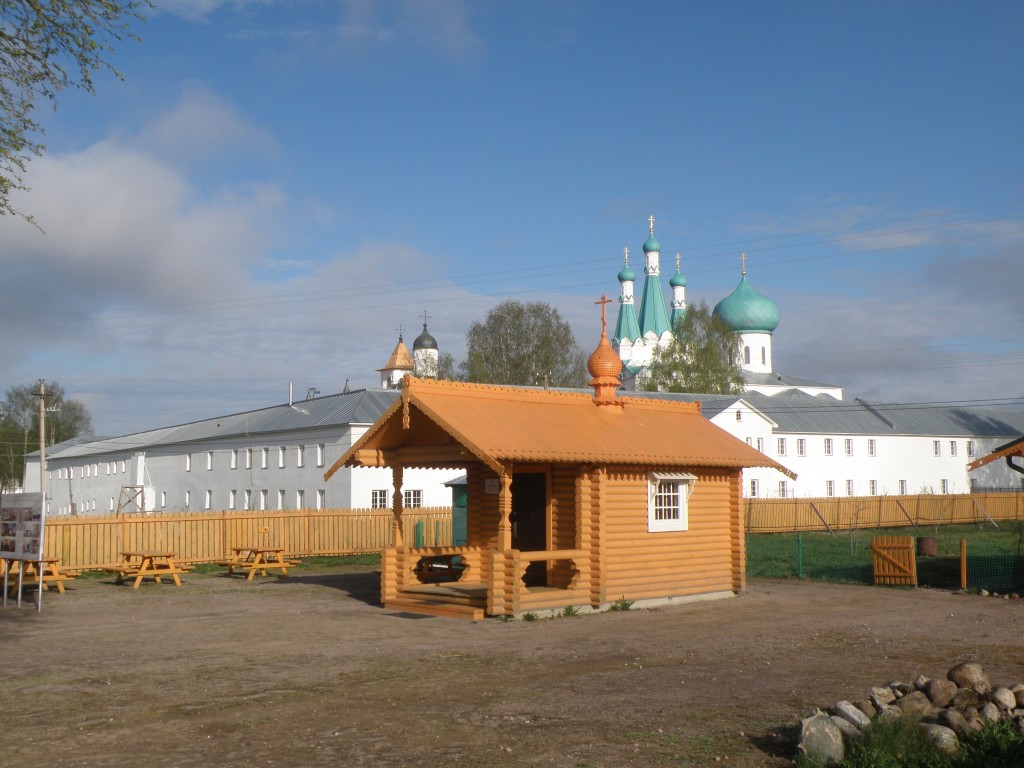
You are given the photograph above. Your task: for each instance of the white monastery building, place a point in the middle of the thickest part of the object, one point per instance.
(275, 457)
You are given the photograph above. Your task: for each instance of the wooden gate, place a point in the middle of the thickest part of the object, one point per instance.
(893, 560)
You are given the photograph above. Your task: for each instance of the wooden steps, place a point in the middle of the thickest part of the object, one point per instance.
(453, 600)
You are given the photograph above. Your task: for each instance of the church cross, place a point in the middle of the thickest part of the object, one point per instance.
(677, 261)
(626, 251)
(400, 329)
(743, 263)
(425, 318)
(651, 219)
(603, 301)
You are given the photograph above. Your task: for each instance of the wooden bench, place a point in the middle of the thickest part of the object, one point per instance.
(141, 565)
(51, 573)
(251, 560)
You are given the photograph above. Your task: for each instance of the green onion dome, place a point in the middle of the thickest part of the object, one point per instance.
(747, 310)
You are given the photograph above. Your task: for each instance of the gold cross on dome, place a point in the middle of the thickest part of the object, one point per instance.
(743, 263)
(603, 301)
(651, 220)
(626, 251)
(677, 261)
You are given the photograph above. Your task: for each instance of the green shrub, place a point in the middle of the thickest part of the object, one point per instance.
(998, 745)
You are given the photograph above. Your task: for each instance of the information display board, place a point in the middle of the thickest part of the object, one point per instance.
(21, 526)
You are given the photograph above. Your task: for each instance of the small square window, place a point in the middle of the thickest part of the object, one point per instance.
(412, 499)
(753, 489)
(379, 499)
(668, 495)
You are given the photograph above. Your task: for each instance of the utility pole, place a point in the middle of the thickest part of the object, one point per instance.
(42, 442)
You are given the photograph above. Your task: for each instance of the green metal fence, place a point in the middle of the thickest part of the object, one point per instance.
(995, 556)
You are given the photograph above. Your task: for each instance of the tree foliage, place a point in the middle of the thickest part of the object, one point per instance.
(704, 357)
(44, 48)
(19, 426)
(524, 344)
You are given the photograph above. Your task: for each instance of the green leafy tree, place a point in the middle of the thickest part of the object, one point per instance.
(19, 426)
(447, 369)
(524, 344)
(703, 357)
(44, 48)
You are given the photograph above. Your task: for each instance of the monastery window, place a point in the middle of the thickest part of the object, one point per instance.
(188, 498)
(111, 503)
(378, 499)
(234, 458)
(873, 487)
(188, 462)
(760, 444)
(764, 356)
(163, 499)
(849, 487)
(264, 457)
(871, 448)
(412, 499)
(753, 489)
(300, 499)
(209, 460)
(280, 456)
(746, 355)
(801, 447)
(320, 454)
(320, 498)
(952, 447)
(849, 446)
(783, 489)
(96, 470)
(828, 446)
(782, 446)
(280, 499)
(300, 456)
(936, 447)
(945, 486)
(248, 458)
(830, 488)
(739, 415)
(750, 442)
(231, 498)
(108, 467)
(903, 487)
(668, 495)
(124, 468)
(247, 500)
(264, 493)
(208, 501)
(970, 449)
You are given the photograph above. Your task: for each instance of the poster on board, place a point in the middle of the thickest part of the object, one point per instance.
(21, 526)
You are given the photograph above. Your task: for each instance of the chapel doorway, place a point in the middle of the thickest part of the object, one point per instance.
(529, 521)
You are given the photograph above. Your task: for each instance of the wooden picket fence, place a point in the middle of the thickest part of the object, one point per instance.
(844, 513)
(89, 541)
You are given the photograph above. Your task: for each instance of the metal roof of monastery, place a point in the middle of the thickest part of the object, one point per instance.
(361, 406)
(626, 326)
(757, 378)
(653, 309)
(795, 412)
(400, 359)
(499, 424)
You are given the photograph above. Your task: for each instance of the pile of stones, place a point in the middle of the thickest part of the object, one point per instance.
(965, 701)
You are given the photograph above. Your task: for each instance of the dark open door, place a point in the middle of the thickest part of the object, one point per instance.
(529, 521)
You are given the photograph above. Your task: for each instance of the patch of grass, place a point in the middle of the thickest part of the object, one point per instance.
(333, 561)
(529, 616)
(622, 604)
(901, 743)
(570, 610)
(207, 568)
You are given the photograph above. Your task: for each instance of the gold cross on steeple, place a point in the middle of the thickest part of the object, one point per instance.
(651, 219)
(677, 262)
(743, 263)
(603, 301)
(626, 251)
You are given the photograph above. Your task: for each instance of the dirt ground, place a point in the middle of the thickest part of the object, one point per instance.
(310, 671)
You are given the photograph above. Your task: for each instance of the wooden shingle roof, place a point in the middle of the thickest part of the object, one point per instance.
(440, 423)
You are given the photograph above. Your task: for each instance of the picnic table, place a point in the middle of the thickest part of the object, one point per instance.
(257, 558)
(146, 564)
(30, 571)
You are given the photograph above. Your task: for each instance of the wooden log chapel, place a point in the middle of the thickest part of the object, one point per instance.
(573, 498)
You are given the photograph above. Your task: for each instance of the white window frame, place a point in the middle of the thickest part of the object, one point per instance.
(300, 456)
(234, 458)
(248, 458)
(783, 489)
(830, 488)
(673, 519)
(849, 487)
(282, 451)
(264, 458)
(873, 487)
(188, 462)
(944, 485)
(936, 447)
(952, 447)
(754, 488)
(903, 487)
(209, 461)
(872, 448)
(321, 454)
(970, 449)
(412, 499)
(848, 446)
(760, 444)
(300, 499)
(828, 446)
(321, 498)
(379, 499)
(801, 446)
(782, 446)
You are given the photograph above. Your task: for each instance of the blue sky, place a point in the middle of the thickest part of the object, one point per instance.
(276, 187)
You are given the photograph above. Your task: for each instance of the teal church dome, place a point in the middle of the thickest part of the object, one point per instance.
(627, 273)
(651, 245)
(747, 310)
(677, 281)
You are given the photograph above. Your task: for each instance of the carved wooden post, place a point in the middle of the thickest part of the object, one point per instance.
(505, 510)
(396, 507)
(500, 600)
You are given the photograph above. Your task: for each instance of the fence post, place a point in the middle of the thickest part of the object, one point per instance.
(963, 564)
(799, 555)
